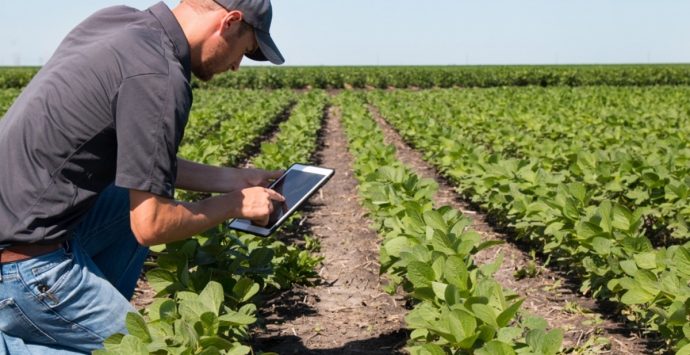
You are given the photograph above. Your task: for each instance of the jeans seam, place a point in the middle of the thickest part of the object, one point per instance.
(49, 308)
(28, 320)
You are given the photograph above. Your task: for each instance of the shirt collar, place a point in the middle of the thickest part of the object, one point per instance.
(174, 31)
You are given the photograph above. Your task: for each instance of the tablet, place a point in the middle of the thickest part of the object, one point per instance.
(297, 184)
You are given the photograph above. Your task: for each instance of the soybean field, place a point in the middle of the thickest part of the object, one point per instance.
(474, 210)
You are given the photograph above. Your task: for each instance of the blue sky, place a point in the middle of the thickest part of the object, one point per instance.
(403, 32)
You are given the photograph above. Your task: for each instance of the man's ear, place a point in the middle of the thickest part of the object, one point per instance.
(230, 19)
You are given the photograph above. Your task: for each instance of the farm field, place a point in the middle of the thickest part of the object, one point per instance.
(487, 210)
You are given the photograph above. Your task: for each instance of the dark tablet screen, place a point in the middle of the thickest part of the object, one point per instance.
(293, 186)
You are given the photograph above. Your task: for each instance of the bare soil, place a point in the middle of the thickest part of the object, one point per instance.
(347, 313)
(547, 294)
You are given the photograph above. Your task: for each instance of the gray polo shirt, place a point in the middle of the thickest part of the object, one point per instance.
(109, 106)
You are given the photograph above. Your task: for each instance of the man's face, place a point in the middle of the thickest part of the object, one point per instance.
(224, 51)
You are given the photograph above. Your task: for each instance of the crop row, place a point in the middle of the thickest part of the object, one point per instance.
(460, 308)
(452, 76)
(624, 144)
(208, 287)
(578, 204)
(425, 77)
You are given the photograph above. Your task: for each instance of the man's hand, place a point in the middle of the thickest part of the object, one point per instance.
(257, 204)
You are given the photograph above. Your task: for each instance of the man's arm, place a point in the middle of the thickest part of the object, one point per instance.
(157, 220)
(206, 178)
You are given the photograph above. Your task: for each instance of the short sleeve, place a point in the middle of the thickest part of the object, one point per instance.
(148, 134)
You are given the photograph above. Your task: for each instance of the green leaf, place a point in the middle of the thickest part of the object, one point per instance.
(190, 338)
(684, 350)
(495, 347)
(160, 279)
(534, 322)
(577, 189)
(682, 260)
(637, 296)
(133, 345)
(210, 323)
(463, 325)
(191, 310)
(245, 289)
(168, 311)
(622, 218)
(570, 209)
(486, 314)
(235, 319)
(508, 314)
(442, 243)
(604, 212)
(554, 228)
(509, 334)
(629, 267)
(136, 326)
(435, 220)
(552, 341)
(212, 296)
(602, 246)
(646, 260)
(420, 274)
(215, 341)
(239, 349)
(439, 290)
(427, 349)
(396, 245)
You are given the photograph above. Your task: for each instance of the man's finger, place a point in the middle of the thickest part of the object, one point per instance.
(275, 196)
(262, 222)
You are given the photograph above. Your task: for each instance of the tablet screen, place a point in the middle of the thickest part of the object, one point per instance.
(296, 185)
(293, 186)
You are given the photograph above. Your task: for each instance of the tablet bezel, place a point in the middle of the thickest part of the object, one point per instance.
(244, 225)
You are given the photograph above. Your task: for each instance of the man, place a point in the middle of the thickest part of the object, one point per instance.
(89, 162)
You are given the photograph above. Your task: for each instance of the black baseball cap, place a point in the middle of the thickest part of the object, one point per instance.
(258, 14)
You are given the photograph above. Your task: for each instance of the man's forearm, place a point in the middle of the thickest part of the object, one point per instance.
(156, 220)
(206, 178)
(167, 220)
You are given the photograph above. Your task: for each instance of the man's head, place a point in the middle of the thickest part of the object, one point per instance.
(222, 32)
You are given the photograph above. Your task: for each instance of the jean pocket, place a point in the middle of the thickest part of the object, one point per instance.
(14, 322)
(48, 275)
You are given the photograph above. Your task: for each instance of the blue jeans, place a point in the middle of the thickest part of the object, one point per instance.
(70, 300)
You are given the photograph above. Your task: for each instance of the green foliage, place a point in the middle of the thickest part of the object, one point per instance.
(459, 307)
(424, 77)
(16, 77)
(7, 97)
(192, 324)
(208, 287)
(224, 124)
(595, 176)
(451, 76)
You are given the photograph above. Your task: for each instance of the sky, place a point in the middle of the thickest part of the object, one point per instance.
(405, 32)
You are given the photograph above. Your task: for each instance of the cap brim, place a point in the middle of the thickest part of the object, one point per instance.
(267, 51)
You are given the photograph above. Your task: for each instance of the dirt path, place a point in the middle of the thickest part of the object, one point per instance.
(547, 294)
(347, 313)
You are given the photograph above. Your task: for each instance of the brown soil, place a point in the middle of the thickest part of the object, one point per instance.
(143, 294)
(547, 294)
(347, 313)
